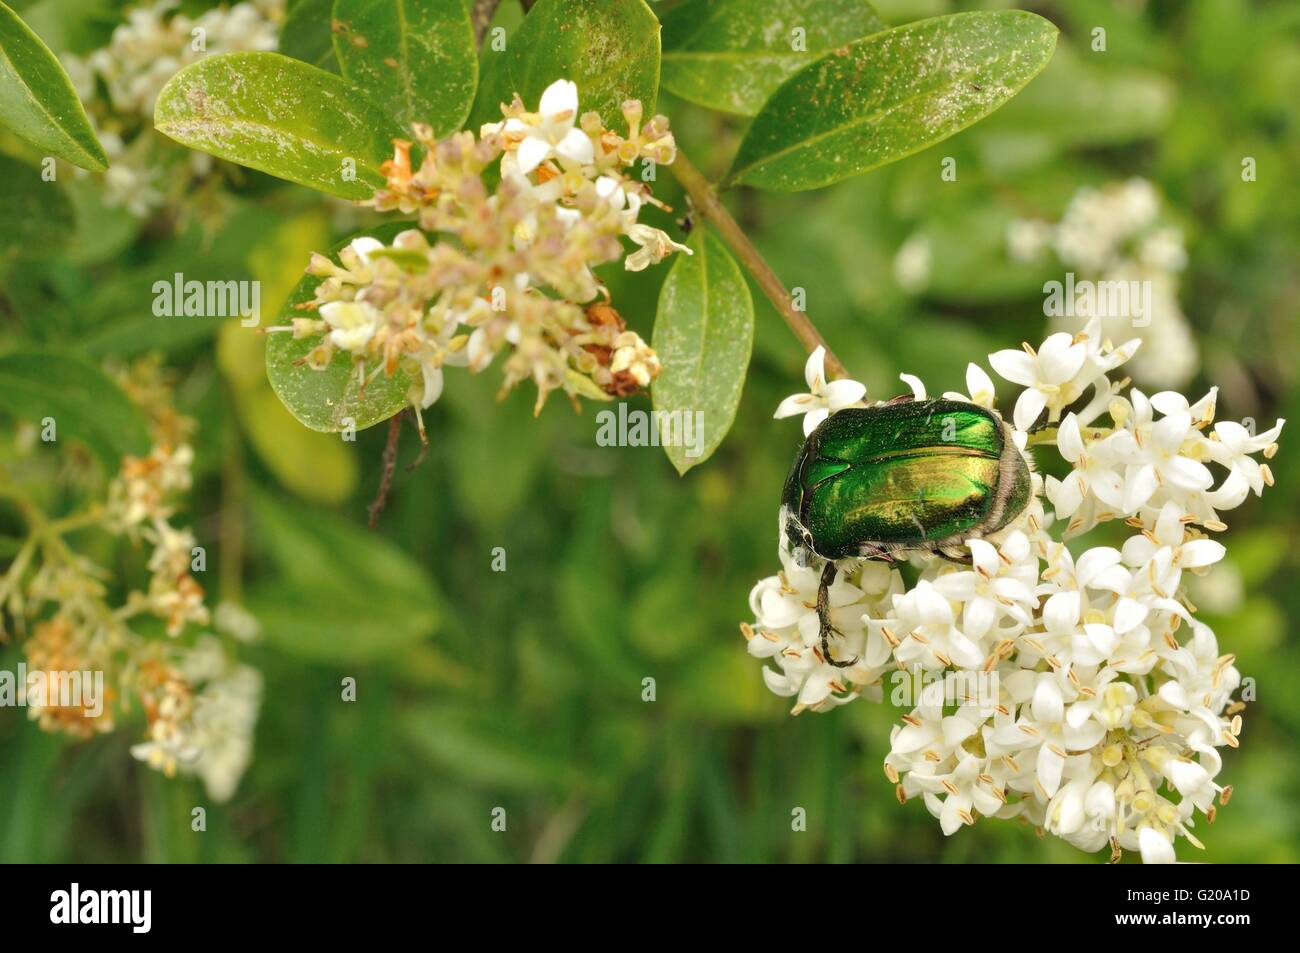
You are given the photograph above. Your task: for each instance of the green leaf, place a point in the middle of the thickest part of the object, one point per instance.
(731, 55)
(36, 217)
(344, 594)
(81, 399)
(73, 26)
(325, 400)
(103, 230)
(479, 746)
(416, 57)
(703, 334)
(501, 437)
(281, 116)
(888, 96)
(306, 34)
(37, 100)
(609, 48)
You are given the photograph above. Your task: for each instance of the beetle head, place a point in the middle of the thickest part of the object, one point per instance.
(798, 538)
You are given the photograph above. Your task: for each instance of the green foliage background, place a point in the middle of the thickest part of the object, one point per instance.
(527, 694)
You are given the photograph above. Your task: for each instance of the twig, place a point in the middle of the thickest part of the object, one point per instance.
(709, 207)
(390, 464)
(481, 16)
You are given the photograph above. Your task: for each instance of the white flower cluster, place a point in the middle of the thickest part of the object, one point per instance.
(199, 705)
(1115, 234)
(143, 54)
(519, 278)
(202, 710)
(1074, 689)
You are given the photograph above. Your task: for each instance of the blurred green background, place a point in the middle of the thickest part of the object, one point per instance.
(522, 689)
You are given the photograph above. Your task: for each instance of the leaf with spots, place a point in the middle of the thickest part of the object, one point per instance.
(415, 57)
(280, 116)
(704, 330)
(609, 48)
(37, 101)
(731, 55)
(330, 399)
(889, 95)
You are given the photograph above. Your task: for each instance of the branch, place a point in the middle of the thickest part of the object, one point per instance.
(706, 202)
(390, 463)
(481, 16)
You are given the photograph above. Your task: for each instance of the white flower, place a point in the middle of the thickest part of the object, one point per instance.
(552, 132)
(1112, 701)
(1096, 475)
(1232, 447)
(1163, 250)
(1164, 552)
(786, 629)
(352, 323)
(1045, 733)
(999, 585)
(1027, 239)
(1042, 373)
(225, 714)
(1156, 848)
(979, 387)
(1152, 450)
(655, 246)
(912, 264)
(210, 735)
(933, 639)
(823, 398)
(915, 385)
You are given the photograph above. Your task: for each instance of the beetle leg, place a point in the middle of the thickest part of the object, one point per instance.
(824, 616)
(872, 551)
(956, 554)
(900, 399)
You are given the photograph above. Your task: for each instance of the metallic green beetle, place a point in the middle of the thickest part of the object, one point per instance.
(906, 475)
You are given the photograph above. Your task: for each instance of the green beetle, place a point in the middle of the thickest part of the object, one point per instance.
(902, 476)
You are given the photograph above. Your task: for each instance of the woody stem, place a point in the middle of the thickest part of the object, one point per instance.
(704, 198)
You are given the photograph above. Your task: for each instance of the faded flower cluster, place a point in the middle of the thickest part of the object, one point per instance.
(198, 704)
(1067, 685)
(517, 276)
(1115, 234)
(119, 83)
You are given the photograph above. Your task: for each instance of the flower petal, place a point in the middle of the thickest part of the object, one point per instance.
(1015, 366)
(841, 394)
(1156, 847)
(575, 146)
(532, 153)
(1029, 405)
(795, 404)
(560, 97)
(814, 370)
